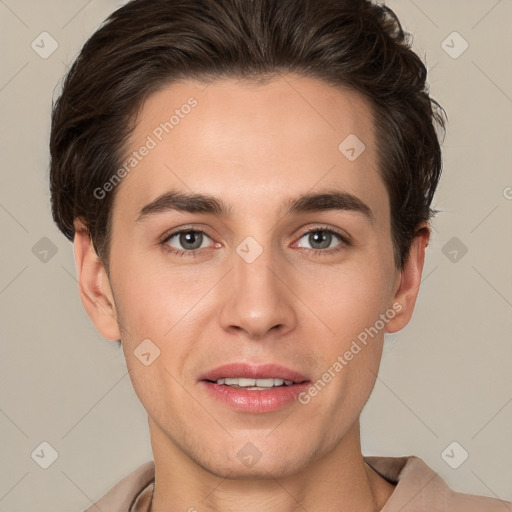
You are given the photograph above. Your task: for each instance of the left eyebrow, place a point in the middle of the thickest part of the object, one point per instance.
(329, 200)
(208, 204)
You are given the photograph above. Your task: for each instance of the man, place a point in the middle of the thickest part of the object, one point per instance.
(247, 184)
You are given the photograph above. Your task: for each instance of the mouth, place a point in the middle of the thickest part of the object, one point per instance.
(250, 375)
(253, 384)
(254, 388)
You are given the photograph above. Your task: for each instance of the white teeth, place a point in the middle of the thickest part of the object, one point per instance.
(246, 383)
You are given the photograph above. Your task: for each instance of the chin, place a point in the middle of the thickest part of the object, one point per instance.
(260, 471)
(249, 463)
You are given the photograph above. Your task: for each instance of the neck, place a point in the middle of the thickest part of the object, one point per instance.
(338, 481)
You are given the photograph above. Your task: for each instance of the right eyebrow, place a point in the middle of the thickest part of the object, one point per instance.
(184, 202)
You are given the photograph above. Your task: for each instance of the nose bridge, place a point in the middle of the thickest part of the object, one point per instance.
(258, 299)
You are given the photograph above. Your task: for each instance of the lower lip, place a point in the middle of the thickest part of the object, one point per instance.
(255, 401)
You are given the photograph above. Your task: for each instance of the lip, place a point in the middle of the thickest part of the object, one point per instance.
(251, 371)
(254, 401)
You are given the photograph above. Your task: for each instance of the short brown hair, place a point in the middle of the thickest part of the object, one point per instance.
(148, 44)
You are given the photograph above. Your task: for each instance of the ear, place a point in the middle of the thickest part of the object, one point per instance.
(95, 291)
(407, 284)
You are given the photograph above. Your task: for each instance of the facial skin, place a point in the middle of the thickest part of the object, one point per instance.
(253, 147)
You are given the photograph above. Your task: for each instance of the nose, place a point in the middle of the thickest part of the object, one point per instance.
(259, 297)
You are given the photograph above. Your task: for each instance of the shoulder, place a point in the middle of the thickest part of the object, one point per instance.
(121, 497)
(420, 489)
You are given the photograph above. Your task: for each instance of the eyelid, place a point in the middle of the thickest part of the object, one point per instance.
(182, 229)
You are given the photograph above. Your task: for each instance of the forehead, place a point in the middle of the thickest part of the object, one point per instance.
(231, 139)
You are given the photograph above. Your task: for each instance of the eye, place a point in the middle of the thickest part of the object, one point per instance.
(321, 240)
(188, 242)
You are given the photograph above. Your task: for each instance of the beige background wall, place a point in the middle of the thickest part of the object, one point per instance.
(446, 377)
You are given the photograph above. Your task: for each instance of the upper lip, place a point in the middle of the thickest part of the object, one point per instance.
(254, 371)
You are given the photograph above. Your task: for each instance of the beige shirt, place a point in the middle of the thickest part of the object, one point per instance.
(418, 489)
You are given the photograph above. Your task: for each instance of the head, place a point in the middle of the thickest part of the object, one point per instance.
(265, 119)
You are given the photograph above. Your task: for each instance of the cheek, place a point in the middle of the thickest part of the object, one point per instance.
(349, 304)
(152, 298)
(345, 300)
(162, 306)
(155, 315)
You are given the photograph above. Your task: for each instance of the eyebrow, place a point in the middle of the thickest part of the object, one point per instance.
(325, 200)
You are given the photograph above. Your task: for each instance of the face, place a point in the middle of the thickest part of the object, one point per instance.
(257, 276)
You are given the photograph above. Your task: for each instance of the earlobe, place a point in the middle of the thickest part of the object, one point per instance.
(409, 281)
(94, 285)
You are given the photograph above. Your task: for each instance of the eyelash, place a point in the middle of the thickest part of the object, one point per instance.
(313, 252)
